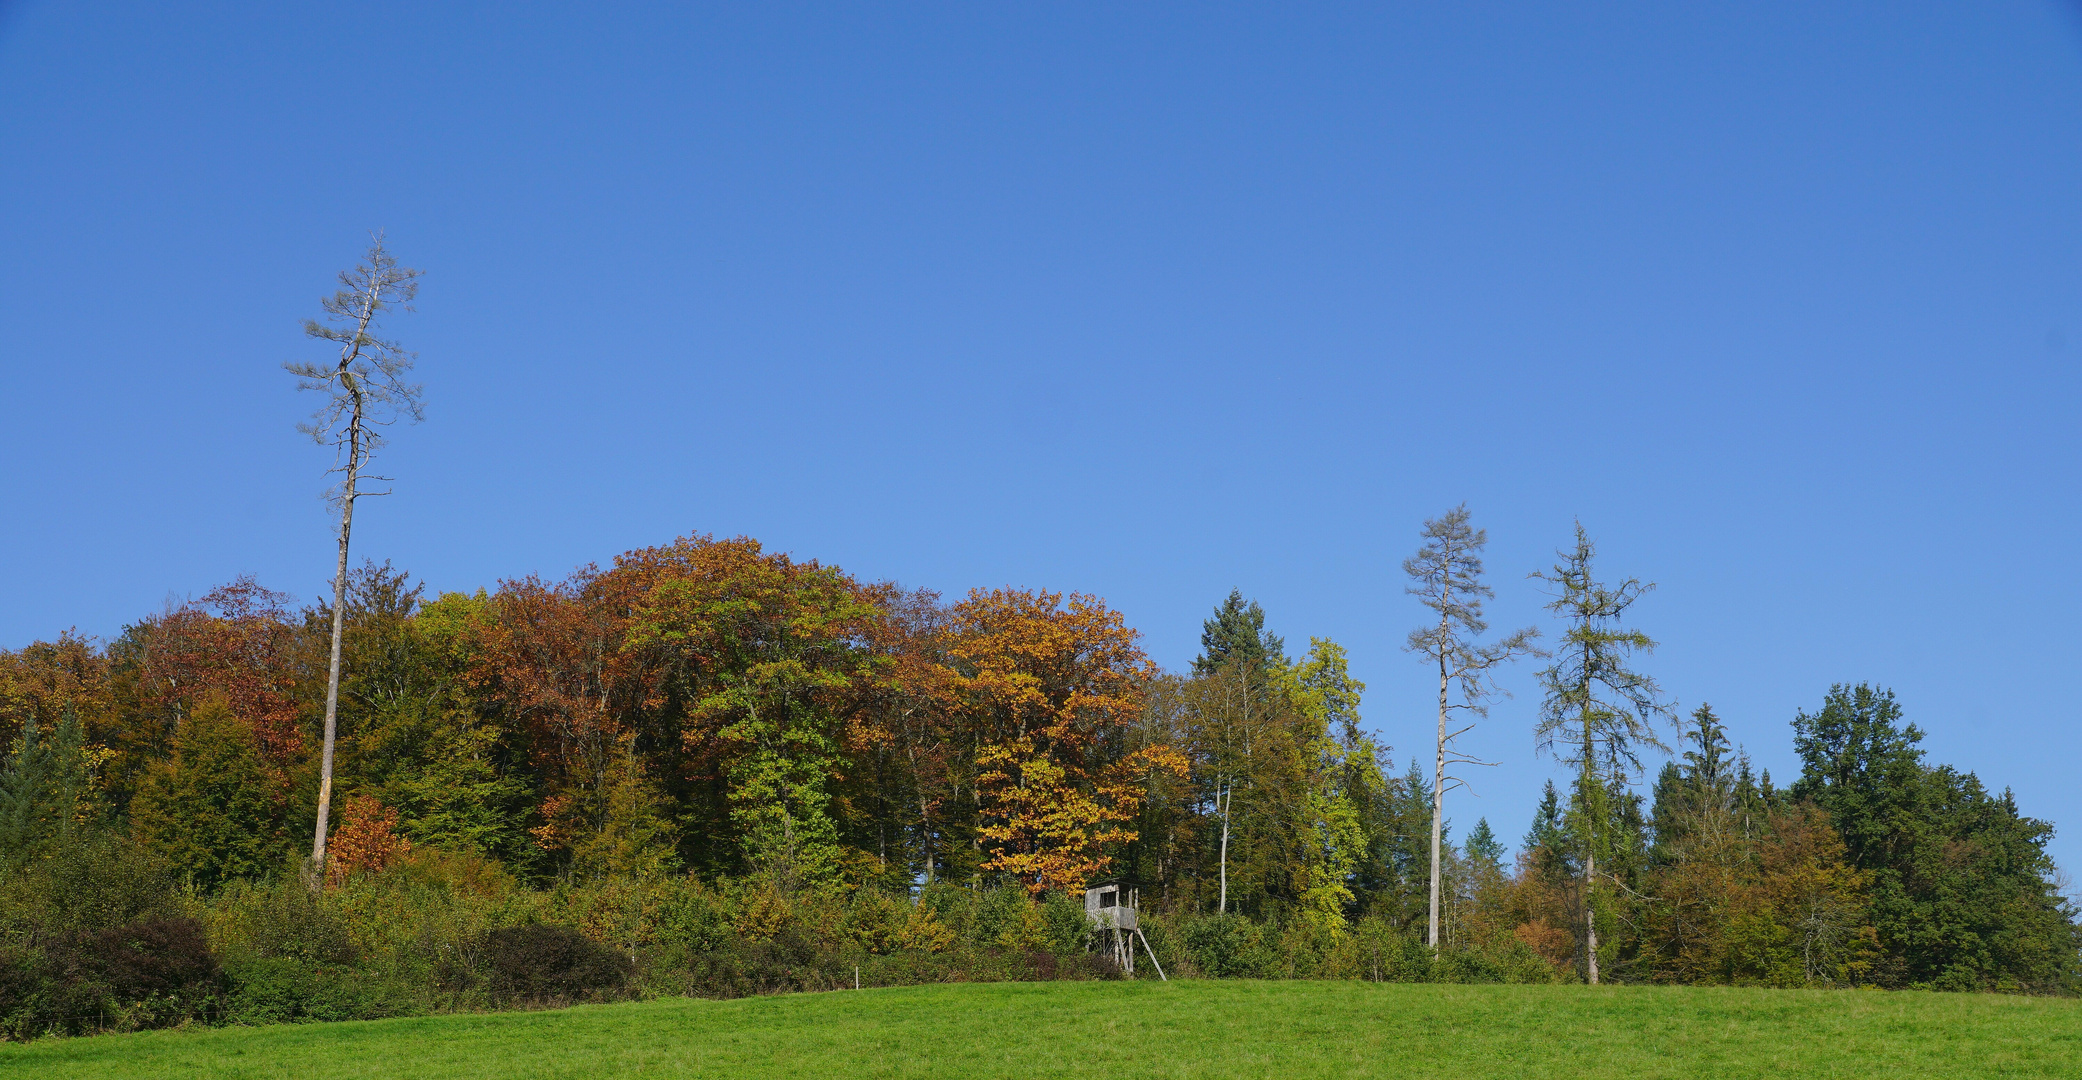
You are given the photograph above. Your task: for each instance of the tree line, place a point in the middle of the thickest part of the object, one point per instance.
(710, 709)
(709, 727)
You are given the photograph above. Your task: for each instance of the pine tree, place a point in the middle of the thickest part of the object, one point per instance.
(365, 391)
(1446, 574)
(1598, 712)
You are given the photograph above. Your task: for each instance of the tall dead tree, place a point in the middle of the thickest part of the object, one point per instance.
(1446, 574)
(365, 391)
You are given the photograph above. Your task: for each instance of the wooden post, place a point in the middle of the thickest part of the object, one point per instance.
(1152, 954)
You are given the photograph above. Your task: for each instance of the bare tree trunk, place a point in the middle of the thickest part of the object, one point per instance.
(925, 829)
(1228, 798)
(1438, 806)
(332, 677)
(1592, 805)
(356, 444)
(1590, 916)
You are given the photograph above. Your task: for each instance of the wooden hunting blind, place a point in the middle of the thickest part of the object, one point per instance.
(1110, 907)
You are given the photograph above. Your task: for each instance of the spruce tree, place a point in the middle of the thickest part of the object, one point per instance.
(1697, 797)
(1237, 632)
(47, 796)
(1482, 846)
(1961, 892)
(1545, 833)
(1235, 647)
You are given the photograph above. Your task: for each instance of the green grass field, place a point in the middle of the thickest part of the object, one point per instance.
(1183, 1029)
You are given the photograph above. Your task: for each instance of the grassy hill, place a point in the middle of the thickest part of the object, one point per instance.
(1183, 1029)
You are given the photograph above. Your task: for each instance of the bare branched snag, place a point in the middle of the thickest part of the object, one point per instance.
(365, 392)
(1446, 574)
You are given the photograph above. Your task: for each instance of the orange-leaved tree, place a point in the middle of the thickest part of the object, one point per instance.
(546, 663)
(1054, 684)
(367, 840)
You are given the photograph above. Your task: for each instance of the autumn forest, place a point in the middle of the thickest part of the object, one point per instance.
(706, 725)
(712, 769)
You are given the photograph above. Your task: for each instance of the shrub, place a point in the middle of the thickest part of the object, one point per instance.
(288, 989)
(1383, 952)
(550, 963)
(1226, 946)
(1069, 932)
(283, 918)
(1000, 918)
(147, 974)
(695, 920)
(103, 881)
(875, 921)
(166, 957)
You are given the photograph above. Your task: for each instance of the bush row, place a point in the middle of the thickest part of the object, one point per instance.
(442, 933)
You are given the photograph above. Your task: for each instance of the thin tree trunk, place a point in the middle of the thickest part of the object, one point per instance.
(348, 493)
(1229, 795)
(925, 829)
(1593, 805)
(1590, 917)
(1438, 805)
(332, 677)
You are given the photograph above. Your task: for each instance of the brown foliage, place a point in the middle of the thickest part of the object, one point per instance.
(1779, 909)
(367, 840)
(238, 641)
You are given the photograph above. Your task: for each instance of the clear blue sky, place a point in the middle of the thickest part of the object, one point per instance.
(1783, 301)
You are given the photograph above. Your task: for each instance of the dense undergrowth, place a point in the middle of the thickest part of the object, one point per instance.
(97, 941)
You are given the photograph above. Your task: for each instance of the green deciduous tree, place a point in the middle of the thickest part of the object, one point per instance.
(1345, 778)
(636, 835)
(211, 810)
(416, 737)
(771, 652)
